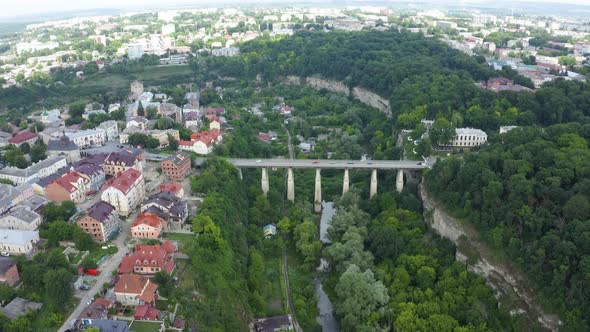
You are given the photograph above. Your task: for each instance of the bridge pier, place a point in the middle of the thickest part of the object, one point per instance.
(317, 201)
(345, 182)
(290, 185)
(240, 174)
(399, 181)
(373, 188)
(264, 181)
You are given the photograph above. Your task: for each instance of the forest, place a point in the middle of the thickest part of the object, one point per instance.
(528, 192)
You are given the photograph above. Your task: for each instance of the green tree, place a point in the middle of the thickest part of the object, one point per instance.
(442, 132)
(58, 288)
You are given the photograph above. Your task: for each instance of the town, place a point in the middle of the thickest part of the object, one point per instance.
(263, 168)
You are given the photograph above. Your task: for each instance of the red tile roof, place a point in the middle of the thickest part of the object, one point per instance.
(146, 255)
(208, 137)
(148, 219)
(124, 182)
(66, 181)
(132, 284)
(21, 137)
(172, 187)
(146, 312)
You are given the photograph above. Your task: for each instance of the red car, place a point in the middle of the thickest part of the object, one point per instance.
(92, 272)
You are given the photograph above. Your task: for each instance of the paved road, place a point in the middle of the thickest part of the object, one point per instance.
(105, 273)
(330, 164)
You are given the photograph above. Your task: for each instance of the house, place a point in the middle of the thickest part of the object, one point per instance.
(134, 290)
(505, 129)
(118, 162)
(149, 259)
(166, 206)
(4, 137)
(138, 122)
(21, 218)
(146, 312)
(19, 307)
(201, 142)
(177, 166)
(174, 188)
(107, 325)
(498, 84)
(99, 309)
(273, 324)
(283, 108)
(191, 120)
(306, 147)
(110, 129)
(87, 138)
(38, 170)
(214, 111)
(160, 135)
(125, 191)
(11, 196)
(226, 51)
(8, 271)
(23, 137)
(95, 174)
(468, 138)
(136, 90)
(269, 231)
(72, 186)
(214, 122)
(101, 222)
(64, 146)
(16, 241)
(147, 226)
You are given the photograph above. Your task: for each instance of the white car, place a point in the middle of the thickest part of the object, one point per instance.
(5, 254)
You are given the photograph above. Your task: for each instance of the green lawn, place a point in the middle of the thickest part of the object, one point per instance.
(143, 326)
(151, 75)
(183, 240)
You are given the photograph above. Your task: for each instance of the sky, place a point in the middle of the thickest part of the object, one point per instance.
(30, 7)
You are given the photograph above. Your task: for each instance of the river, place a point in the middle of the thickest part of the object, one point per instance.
(326, 318)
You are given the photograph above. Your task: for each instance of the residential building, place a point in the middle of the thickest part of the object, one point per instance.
(226, 51)
(18, 241)
(108, 325)
(136, 88)
(177, 166)
(64, 146)
(505, 129)
(4, 138)
(166, 206)
(134, 290)
(201, 142)
(88, 138)
(21, 218)
(160, 135)
(193, 98)
(149, 259)
(101, 222)
(71, 186)
(498, 84)
(274, 324)
(23, 137)
(174, 188)
(138, 122)
(191, 119)
(99, 309)
(468, 137)
(214, 122)
(8, 271)
(118, 162)
(110, 129)
(214, 111)
(38, 170)
(134, 51)
(269, 231)
(146, 312)
(19, 307)
(147, 226)
(11, 196)
(125, 192)
(94, 172)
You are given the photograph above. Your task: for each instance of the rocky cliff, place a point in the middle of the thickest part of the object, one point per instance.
(500, 275)
(361, 94)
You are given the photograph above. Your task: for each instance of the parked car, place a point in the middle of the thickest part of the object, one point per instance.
(84, 287)
(5, 254)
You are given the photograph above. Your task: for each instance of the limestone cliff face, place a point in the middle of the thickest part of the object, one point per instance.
(334, 86)
(499, 274)
(361, 94)
(372, 99)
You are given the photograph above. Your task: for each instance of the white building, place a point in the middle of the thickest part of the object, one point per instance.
(20, 218)
(168, 29)
(469, 137)
(39, 170)
(505, 129)
(18, 241)
(125, 192)
(226, 51)
(88, 138)
(110, 129)
(134, 51)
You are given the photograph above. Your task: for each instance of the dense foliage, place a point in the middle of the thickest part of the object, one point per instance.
(389, 273)
(529, 194)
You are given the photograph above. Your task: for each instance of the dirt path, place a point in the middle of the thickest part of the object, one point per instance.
(288, 290)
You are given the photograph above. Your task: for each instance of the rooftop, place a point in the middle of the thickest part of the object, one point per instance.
(101, 211)
(17, 237)
(178, 158)
(18, 307)
(107, 325)
(23, 214)
(82, 133)
(147, 219)
(124, 182)
(32, 170)
(62, 144)
(22, 136)
(470, 131)
(6, 264)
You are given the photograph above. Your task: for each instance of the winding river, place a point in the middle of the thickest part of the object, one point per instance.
(326, 318)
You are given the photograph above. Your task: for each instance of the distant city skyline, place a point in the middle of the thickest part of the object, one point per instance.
(35, 7)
